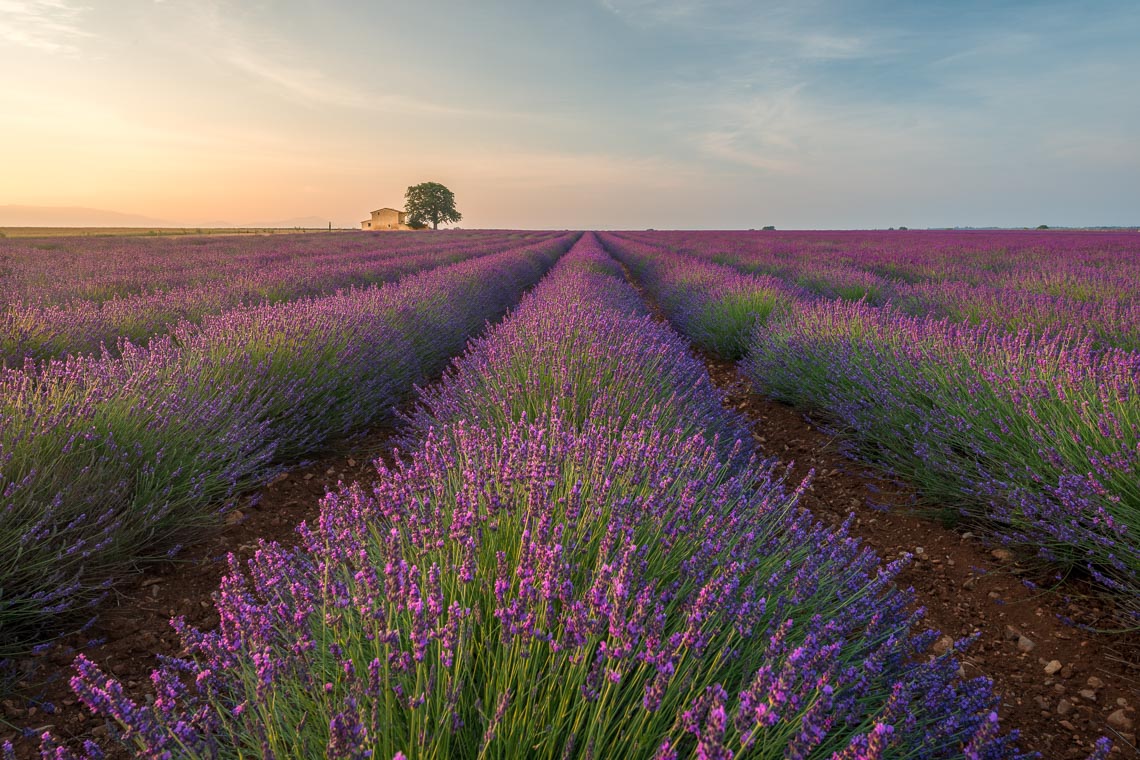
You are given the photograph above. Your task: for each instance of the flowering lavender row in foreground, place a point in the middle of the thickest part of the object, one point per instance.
(134, 288)
(1013, 280)
(106, 460)
(1037, 436)
(566, 566)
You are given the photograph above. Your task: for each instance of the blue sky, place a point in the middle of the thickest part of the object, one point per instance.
(594, 113)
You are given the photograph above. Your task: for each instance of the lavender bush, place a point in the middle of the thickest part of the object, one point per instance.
(1012, 280)
(1037, 436)
(1033, 433)
(713, 305)
(108, 460)
(139, 288)
(576, 575)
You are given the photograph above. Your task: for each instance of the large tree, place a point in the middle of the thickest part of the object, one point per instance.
(430, 202)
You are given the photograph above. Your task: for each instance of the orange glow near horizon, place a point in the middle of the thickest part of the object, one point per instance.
(604, 113)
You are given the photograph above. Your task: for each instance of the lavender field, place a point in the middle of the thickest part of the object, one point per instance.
(997, 371)
(579, 551)
(112, 454)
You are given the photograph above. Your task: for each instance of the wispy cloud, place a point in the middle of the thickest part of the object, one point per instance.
(303, 83)
(309, 85)
(52, 26)
(789, 30)
(657, 11)
(290, 70)
(762, 132)
(585, 171)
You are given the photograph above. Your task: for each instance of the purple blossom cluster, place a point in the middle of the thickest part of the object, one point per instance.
(1011, 280)
(107, 459)
(137, 288)
(713, 305)
(579, 572)
(1037, 436)
(1033, 433)
(569, 373)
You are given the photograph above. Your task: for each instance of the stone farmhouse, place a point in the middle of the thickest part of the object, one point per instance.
(387, 219)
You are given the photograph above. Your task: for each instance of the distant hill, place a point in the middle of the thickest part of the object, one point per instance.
(80, 216)
(74, 216)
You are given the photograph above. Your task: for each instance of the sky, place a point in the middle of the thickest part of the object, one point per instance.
(806, 114)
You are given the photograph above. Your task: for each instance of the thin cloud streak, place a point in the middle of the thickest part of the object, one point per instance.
(261, 56)
(311, 87)
(790, 30)
(50, 26)
(762, 132)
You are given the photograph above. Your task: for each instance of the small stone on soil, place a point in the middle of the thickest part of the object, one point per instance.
(942, 646)
(1120, 721)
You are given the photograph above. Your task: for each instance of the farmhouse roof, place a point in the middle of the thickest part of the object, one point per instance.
(387, 208)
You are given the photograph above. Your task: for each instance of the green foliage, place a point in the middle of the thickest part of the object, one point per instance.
(725, 324)
(430, 202)
(955, 411)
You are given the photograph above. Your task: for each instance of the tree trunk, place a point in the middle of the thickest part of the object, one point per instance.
(435, 225)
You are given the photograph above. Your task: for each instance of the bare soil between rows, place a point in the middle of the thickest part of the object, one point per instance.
(968, 588)
(1062, 684)
(134, 625)
(1059, 682)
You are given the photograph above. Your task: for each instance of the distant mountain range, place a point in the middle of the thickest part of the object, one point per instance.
(79, 216)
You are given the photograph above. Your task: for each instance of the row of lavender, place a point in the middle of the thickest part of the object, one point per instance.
(106, 460)
(580, 558)
(1010, 280)
(76, 295)
(102, 268)
(1035, 437)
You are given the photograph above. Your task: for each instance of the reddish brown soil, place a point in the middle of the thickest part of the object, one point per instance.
(965, 587)
(134, 625)
(969, 588)
(1059, 682)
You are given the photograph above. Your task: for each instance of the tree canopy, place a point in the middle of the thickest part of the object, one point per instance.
(430, 202)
